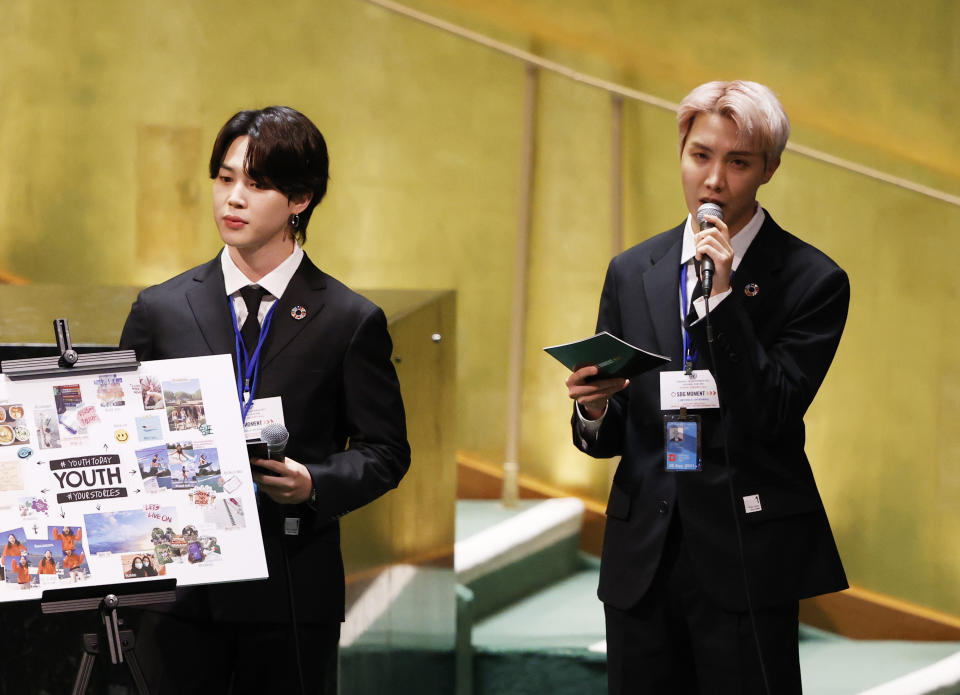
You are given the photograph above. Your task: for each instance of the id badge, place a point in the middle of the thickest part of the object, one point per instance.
(681, 435)
(694, 391)
(263, 412)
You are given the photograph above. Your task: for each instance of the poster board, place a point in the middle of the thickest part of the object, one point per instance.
(123, 477)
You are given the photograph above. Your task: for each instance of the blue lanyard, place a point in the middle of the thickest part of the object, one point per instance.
(248, 366)
(688, 357)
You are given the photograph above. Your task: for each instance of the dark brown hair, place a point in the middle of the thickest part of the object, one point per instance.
(286, 152)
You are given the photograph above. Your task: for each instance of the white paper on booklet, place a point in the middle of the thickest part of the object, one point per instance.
(124, 477)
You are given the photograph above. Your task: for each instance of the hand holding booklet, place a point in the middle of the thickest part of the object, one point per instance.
(615, 358)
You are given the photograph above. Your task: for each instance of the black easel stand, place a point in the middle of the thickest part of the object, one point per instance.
(106, 600)
(69, 361)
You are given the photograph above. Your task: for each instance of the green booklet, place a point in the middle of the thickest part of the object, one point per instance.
(614, 357)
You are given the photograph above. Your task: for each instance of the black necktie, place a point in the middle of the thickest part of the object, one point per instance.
(698, 288)
(250, 331)
(697, 293)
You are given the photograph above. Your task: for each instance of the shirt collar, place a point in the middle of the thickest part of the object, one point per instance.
(740, 242)
(274, 282)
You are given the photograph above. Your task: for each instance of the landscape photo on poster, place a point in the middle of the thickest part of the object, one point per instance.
(184, 402)
(124, 531)
(122, 477)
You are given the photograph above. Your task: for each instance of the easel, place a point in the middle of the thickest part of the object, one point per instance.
(69, 361)
(105, 599)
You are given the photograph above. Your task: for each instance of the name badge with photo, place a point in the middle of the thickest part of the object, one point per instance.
(681, 434)
(694, 391)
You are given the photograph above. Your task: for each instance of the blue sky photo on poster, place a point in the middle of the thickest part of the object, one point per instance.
(124, 531)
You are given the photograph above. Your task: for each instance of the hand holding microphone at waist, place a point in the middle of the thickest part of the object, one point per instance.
(282, 479)
(713, 249)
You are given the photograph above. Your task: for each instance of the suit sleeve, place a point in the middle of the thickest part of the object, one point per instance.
(378, 454)
(772, 384)
(137, 333)
(609, 439)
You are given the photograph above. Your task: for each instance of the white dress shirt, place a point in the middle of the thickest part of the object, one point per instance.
(740, 242)
(274, 282)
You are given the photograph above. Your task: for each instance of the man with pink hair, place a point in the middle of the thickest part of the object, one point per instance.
(704, 564)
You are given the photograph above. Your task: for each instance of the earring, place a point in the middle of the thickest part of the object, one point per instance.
(295, 220)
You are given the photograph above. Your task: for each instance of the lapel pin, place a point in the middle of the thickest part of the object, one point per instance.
(752, 289)
(298, 312)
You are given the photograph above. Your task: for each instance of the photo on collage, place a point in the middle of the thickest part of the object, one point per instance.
(150, 393)
(74, 565)
(68, 402)
(140, 565)
(14, 545)
(122, 532)
(22, 572)
(208, 468)
(109, 390)
(13, 428)
(149, 428)
(39, 563)
(71, 537)
(48, 427)
(154, 464)
(184, 465)
(184, 403)
(50, 562)
(187, 547)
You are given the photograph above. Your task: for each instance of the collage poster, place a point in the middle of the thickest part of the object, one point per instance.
(119, 477)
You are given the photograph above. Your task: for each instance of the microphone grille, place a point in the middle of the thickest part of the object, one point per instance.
(274, 434)
(708, 209)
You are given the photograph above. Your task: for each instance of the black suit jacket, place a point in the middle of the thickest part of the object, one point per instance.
(772, 352)
(342, 407)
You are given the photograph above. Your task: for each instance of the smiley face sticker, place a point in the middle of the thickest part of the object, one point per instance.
(121, 436)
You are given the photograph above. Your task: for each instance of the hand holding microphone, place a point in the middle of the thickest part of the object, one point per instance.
(275, 436)
(282, 479)
(706, 262)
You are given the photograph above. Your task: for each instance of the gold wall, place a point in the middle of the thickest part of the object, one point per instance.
(108, 110)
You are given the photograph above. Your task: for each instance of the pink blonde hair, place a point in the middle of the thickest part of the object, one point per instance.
(755, 110)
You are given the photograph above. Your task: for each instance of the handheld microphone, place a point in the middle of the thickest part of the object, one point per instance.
(706, 263)
(275, 436)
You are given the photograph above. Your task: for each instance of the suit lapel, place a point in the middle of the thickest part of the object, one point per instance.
(208, 302)
(661, 285)
(760, 267)
(306, 290)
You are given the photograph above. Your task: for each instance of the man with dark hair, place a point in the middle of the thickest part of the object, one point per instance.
(688, 553)
(286, 153)
(326, 351)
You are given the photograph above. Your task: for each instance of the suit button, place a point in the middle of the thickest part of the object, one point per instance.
(663, 506)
